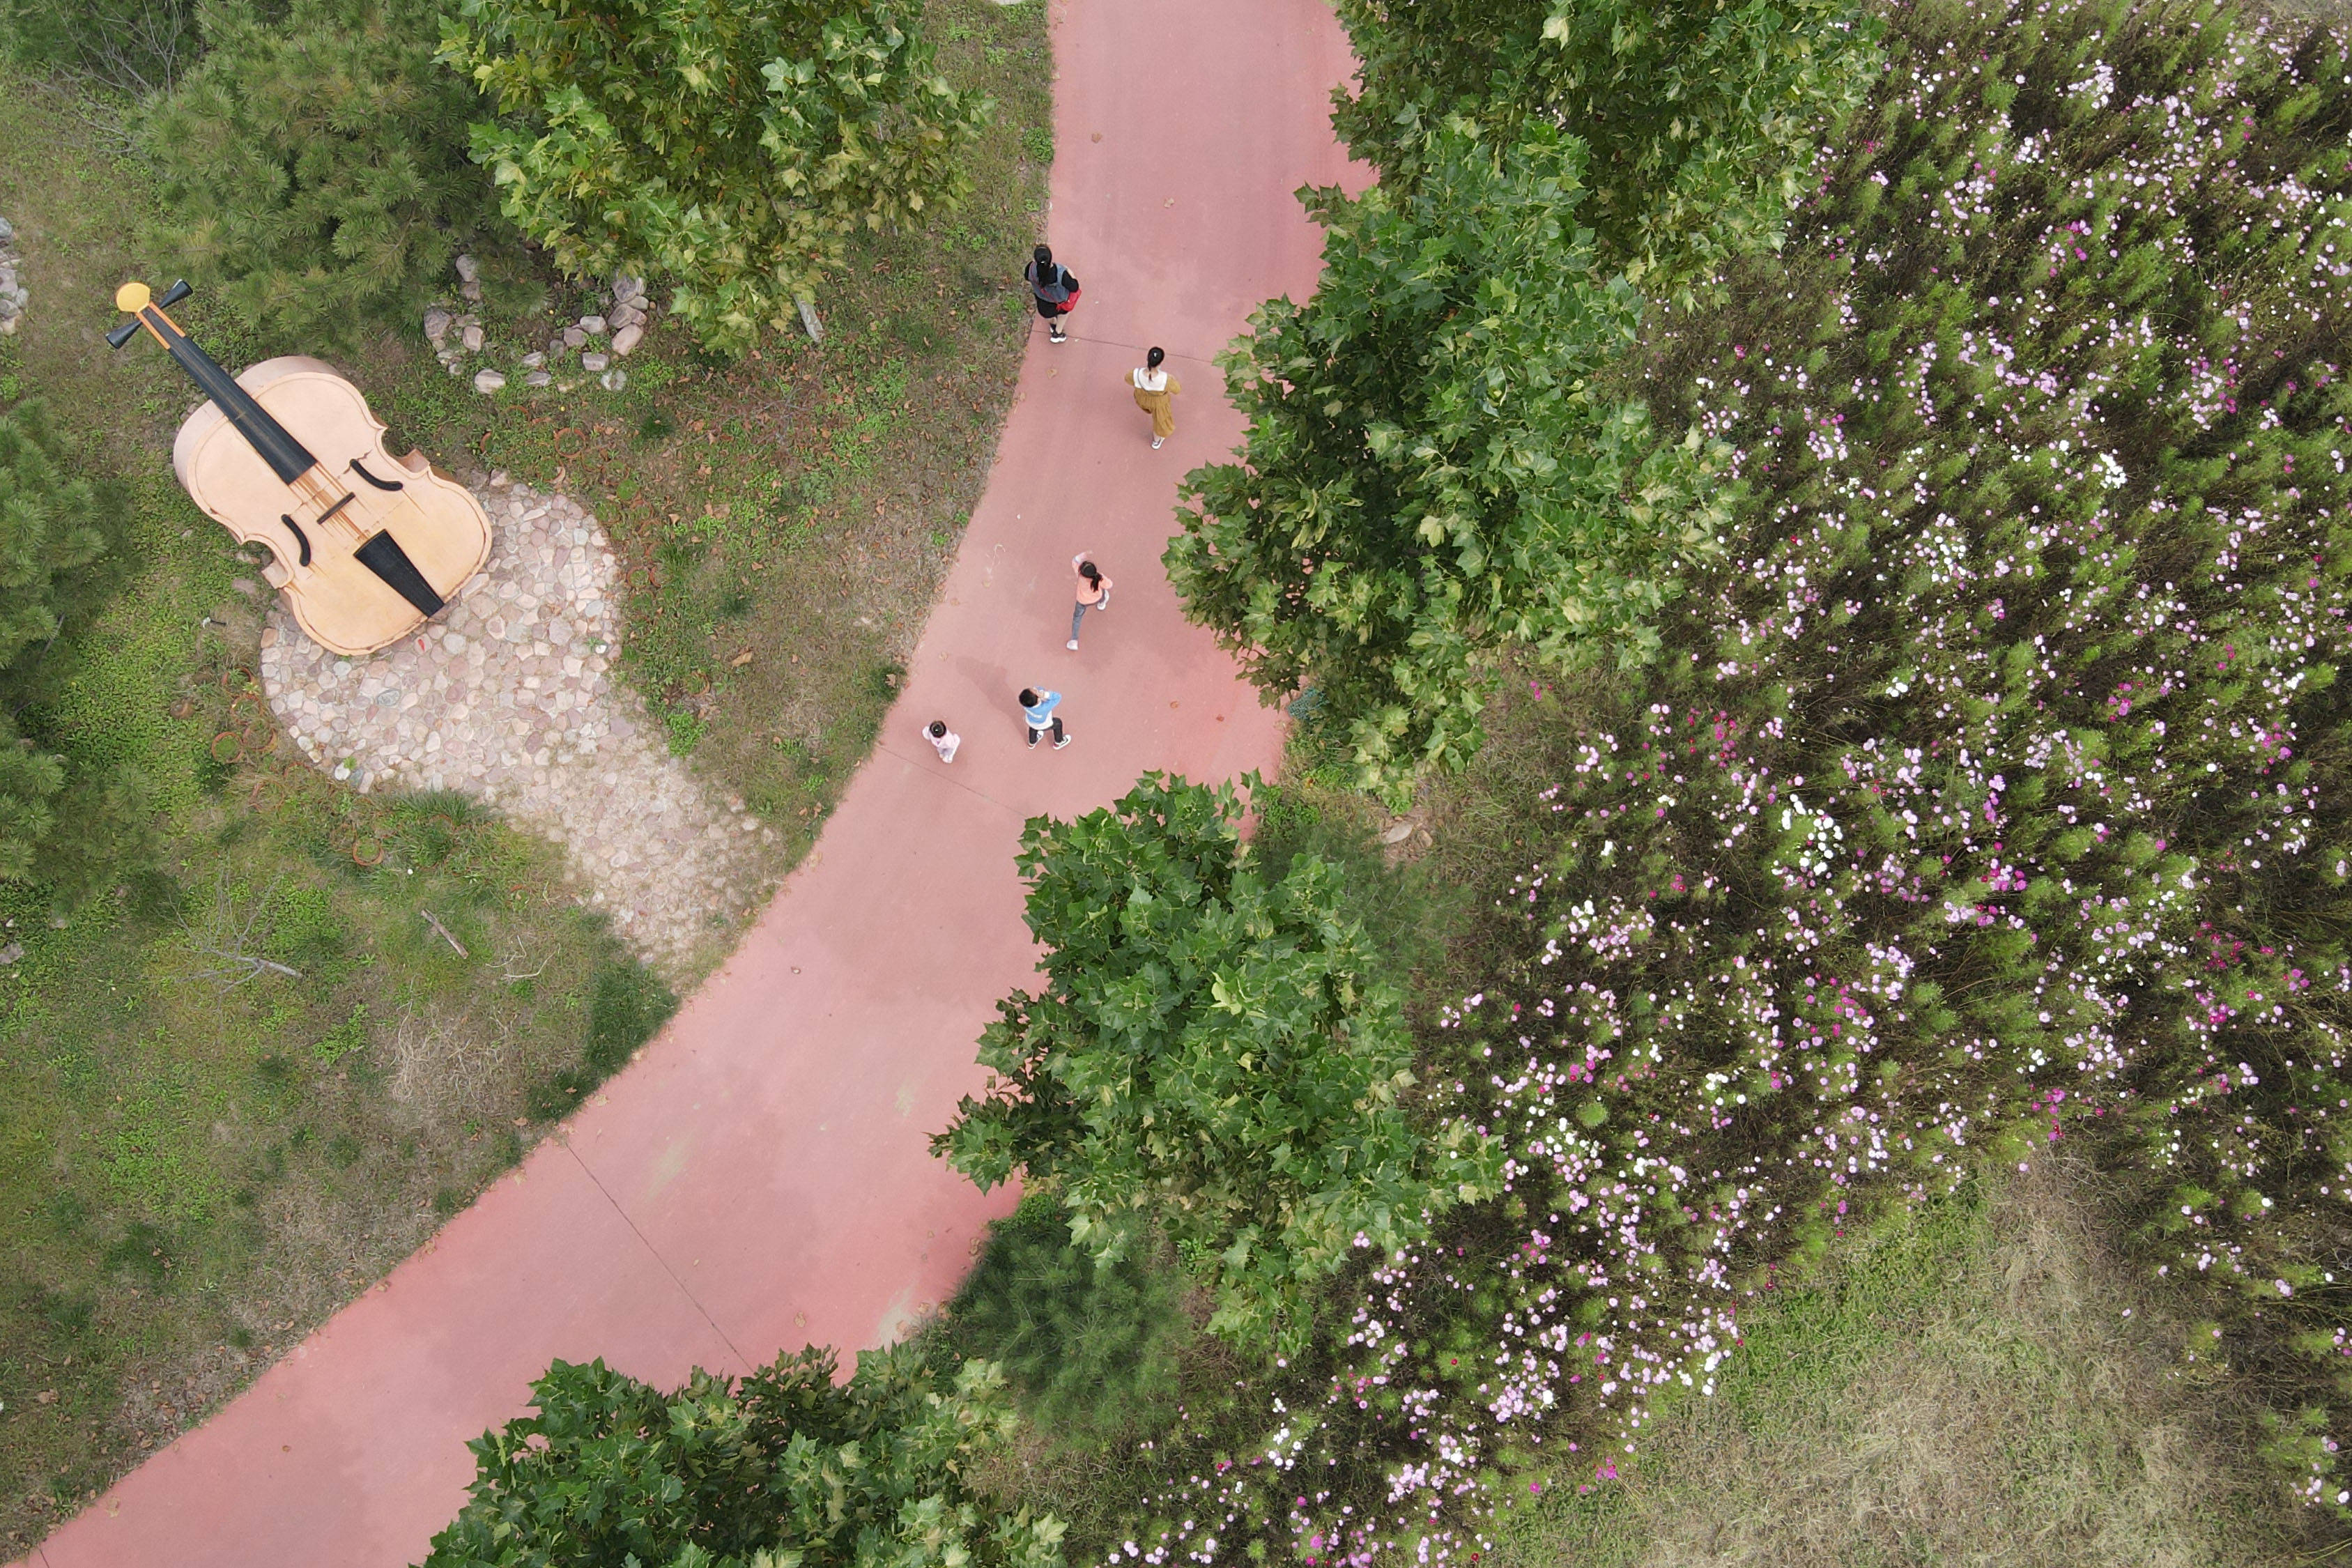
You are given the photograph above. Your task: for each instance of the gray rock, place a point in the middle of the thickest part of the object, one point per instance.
(8, 233)
(537, 378)
(614, 379)
(592, 363)
(488, 381)
(473, 340)
(626, 338)
(573, 337)
(437, 325)
(15, 949)
(624, 316)
(469, 269)
(533, 361)
(593, 325)
(472, 291)
(626, 288)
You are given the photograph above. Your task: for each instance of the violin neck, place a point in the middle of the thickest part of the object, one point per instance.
(287, 458)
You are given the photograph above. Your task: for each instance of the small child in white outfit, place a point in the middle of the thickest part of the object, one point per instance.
(943, 740)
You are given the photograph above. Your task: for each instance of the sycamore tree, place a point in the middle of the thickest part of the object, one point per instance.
(315, 168)
(1701, 115)
(1433, 478)
(1215, 1052)
(1438, 478)
(782, 1469)
(727, 150)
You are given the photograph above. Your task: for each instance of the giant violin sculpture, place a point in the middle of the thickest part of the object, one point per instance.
(368, 547)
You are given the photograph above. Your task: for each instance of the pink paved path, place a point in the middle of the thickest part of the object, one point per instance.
(760, 1178)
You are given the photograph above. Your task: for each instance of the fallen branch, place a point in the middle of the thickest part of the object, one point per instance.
(432, 920)
(226, 940)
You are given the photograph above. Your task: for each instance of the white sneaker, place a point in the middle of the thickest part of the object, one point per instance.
(1158, 442)
(1056, 335)
(1072, 645)
(1064, 741)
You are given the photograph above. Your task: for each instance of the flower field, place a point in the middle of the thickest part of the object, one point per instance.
(1994, 792)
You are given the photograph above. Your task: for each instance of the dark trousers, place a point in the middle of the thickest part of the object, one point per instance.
(1034, 732)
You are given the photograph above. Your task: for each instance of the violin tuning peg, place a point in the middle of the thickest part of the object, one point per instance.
(175, 293)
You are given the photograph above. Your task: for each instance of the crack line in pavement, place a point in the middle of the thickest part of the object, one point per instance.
(654, 1253)
(1140, 348)
(947, 778)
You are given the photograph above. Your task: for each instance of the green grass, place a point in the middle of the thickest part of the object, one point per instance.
(1972, 1382)
(191, 1177)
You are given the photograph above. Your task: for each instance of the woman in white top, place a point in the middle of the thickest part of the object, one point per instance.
(943, 740)
(1155, 394)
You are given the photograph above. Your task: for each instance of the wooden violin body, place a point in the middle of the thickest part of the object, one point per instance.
(336, 598)
(366, 547)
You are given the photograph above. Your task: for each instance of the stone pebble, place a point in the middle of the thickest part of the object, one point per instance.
(509, 695)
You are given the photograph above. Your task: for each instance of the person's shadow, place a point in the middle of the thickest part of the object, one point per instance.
(993, 686)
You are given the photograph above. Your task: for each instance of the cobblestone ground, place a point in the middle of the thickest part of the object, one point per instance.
(509, 696)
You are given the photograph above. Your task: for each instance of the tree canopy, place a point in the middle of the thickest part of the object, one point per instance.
(782, 1469)
(1215, 1053)
(730, 149)
(1433, 476)
(1441, 471)
(1699, 118)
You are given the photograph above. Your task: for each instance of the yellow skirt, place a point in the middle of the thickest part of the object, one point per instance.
(1162, 406)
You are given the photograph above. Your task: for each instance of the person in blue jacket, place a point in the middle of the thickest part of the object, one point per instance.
(1038, 709)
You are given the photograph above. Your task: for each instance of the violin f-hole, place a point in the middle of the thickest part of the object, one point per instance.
(301, 538)
(361, 469)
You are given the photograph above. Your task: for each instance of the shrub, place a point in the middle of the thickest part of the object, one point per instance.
(782, 1467)
(1430, 481)
(317, 168)
(1989, 795)
(1212, 1053)
(730, 151)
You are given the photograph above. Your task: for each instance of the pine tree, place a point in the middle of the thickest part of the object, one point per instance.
(316, 170)
(54, 524)
(730, 149)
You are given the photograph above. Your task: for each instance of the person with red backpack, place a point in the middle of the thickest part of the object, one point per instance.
(1054, 288)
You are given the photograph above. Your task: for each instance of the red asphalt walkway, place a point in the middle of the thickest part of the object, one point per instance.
(760, 1178)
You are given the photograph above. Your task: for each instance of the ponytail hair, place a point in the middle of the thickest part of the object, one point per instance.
(1090, 572)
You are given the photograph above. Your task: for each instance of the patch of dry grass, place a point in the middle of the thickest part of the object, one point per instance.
(1976, 1383)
